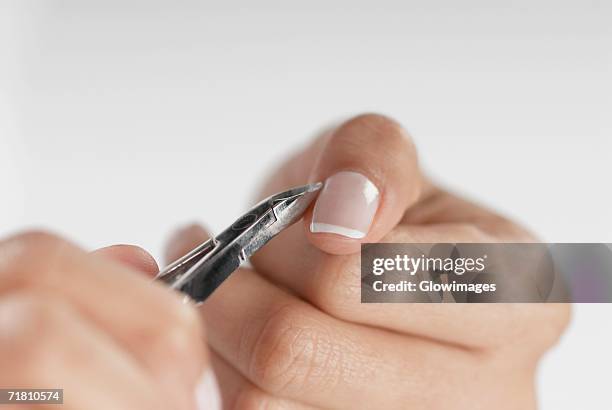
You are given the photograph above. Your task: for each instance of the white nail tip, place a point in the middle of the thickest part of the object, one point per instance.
(207, 392)
(318, 227)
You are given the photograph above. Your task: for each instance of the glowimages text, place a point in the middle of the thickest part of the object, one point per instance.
(410, 266)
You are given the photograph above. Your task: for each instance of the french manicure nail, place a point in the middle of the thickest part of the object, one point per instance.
(207, 392)
(346, 206)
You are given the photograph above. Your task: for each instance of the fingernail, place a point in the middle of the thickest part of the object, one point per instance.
(346, 206)
(207, 392)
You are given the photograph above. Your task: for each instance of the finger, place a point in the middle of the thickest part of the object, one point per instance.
(333, 284)
(132, 256)
(370, 169)
(44, 343)
(184, 240)
(369, 166)
(239, 393)
(150, 321)
(441, 207)
(207, 394)
(292, 350)
(180, 243)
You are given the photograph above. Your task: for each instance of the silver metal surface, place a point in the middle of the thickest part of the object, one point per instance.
(203, 269)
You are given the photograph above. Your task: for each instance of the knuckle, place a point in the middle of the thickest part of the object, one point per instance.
(37, 241)
(293, 353)
(505, 230)
(30, 324)
(30, 254)
(471, 233)
(539, 325)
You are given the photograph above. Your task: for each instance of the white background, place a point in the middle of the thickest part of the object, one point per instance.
(121, 119)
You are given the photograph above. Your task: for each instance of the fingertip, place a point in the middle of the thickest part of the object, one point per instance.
(132, 256)
(371, 177)
(184, 240)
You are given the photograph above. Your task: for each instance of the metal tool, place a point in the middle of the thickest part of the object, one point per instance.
(202, 270)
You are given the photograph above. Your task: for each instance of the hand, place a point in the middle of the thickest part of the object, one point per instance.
(292, 333)
(96, 326)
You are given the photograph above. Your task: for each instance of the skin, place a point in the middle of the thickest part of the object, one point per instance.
(95, 325)
(290, 332)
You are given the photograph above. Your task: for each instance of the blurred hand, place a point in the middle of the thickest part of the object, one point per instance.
(292, 333)
(96, 326)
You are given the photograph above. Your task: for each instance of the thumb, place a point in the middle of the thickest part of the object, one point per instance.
(369, 166)
(370, 169)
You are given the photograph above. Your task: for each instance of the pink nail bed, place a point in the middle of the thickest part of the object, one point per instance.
(346, 206)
